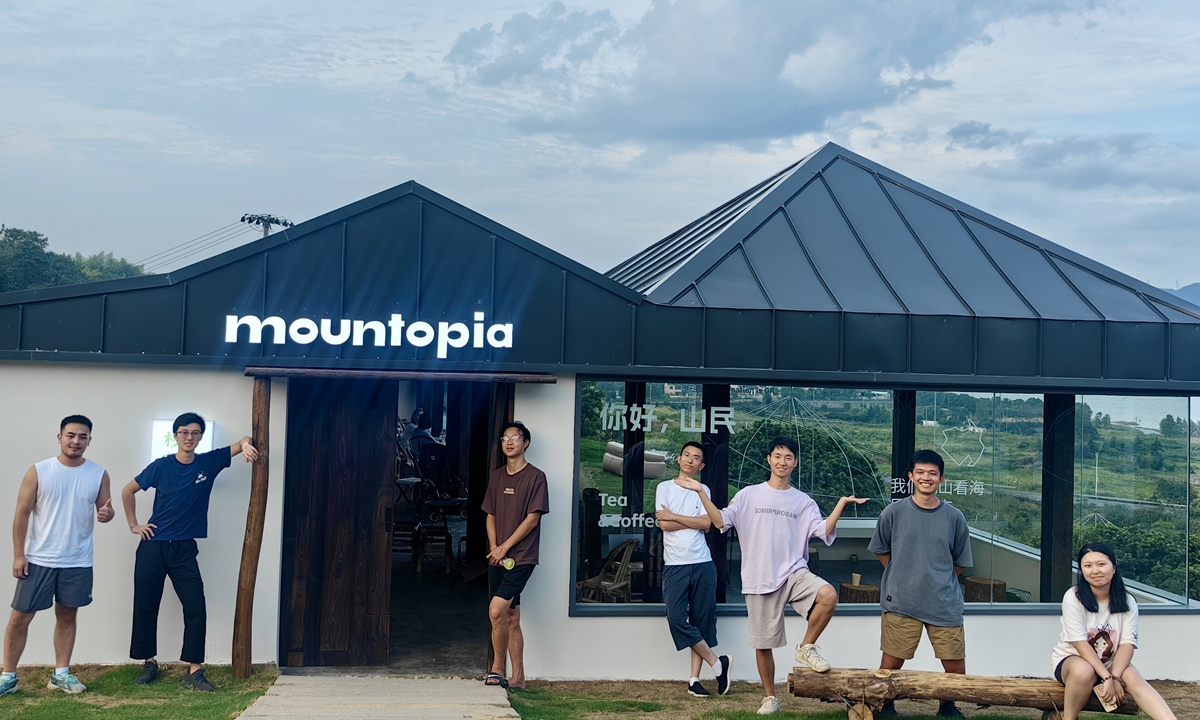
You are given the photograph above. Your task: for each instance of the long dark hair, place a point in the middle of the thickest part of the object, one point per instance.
(1117, 599)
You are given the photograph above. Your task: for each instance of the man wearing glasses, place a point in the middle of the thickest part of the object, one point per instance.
(182, 483)
(514, 502)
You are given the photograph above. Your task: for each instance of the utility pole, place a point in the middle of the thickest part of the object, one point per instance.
(266, 221)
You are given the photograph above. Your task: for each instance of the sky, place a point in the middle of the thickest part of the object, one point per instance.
(597, 128)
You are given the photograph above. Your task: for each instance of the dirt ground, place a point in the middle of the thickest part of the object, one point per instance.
(1183, 697)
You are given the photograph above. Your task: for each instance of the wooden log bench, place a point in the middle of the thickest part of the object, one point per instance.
(866, 691)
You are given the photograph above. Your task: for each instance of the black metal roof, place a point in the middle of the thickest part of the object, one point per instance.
(833, 271)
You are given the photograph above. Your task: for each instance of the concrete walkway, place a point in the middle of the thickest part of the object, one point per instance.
(325, 697)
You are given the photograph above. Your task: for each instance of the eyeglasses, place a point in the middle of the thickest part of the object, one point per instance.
(512, 439)
(189, 433)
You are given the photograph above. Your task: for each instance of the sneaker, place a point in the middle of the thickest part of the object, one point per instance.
(697, 690)
(66, 682)
(725, 662)
(807, 655)
(770, 706)
(148, 674)
(949, 709)
(8, 684)
(888, 709)
(196, 681)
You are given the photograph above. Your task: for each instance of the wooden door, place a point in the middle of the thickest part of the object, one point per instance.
(337, 562)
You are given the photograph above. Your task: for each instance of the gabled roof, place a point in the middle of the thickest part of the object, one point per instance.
(837, 232)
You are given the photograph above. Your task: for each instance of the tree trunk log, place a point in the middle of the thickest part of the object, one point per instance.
(863, 593)
(875, 687)
(984, 590)
(256, 516)
(861, 712)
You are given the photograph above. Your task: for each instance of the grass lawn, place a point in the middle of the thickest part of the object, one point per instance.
(601, 700)
(111, 695)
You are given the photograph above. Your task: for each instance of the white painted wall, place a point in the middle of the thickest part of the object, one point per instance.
(122, 402)
(559, 646)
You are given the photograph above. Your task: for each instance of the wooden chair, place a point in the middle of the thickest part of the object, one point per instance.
(406, 538)
(612, 584)
(436, 537)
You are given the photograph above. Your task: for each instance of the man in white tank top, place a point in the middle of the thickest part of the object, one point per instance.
(52, 549)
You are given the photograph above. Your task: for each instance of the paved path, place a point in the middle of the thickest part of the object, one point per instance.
(307, 697)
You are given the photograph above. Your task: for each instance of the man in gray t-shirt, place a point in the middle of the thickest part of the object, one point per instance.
(924, 545)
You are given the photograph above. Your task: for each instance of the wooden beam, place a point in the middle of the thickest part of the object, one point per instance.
(347, 374)
(256, 516)
(875, 687)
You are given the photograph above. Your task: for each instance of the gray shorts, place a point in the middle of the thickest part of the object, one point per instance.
(71, 587)
(766, 611)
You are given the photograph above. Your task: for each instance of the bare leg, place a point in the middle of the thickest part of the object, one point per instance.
(498, 615)
(1147, 697)
(891, 662)
(701, 652)
(15, 636)
(956, 667)
(516, 649)
(766, 669)
(1078, 678)
(821, 614)
(64, 634)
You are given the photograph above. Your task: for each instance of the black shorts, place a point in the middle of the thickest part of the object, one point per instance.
(1058, 671)
(71, 587)
(508, 584)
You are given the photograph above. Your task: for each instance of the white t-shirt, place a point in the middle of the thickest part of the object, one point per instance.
(774, 527)
(1104, 630)
(60, 528)
(687, 546)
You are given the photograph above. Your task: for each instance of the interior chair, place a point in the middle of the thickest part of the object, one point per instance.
(612, 584)
(443, 493)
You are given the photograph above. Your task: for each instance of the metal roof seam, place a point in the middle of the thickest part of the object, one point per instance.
(762, 288)
(816, 271)
(1058, 258)
(996, 265)
(1070, 284)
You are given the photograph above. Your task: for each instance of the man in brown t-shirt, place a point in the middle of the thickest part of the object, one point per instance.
(514, 502)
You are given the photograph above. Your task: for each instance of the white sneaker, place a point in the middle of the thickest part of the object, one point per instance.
(770, 706)
(808, 655)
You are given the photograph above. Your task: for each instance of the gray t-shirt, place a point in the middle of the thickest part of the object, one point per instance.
(925, 545)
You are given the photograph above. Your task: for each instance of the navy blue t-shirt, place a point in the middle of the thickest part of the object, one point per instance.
(181, 493)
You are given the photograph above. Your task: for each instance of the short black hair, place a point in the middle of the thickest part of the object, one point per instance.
(520, 426)
(782, 442)
(187, 419)
(77, 419)
(424, 421)
(927, 457)
(692, 443)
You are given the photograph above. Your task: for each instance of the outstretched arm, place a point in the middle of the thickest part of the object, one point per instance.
(26, 498)
(244, 446)
(714, 513)
(832, 521)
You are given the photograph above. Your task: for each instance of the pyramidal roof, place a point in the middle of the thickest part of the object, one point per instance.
(837, 232)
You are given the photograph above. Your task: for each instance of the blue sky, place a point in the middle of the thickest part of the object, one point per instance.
(597, 127)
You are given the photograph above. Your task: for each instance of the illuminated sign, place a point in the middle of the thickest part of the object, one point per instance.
(162, 440)
(304, 331)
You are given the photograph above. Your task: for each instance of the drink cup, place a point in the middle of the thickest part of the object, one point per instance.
(509, 564)
(855, 578)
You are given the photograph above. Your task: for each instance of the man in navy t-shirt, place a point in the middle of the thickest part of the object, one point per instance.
(182, 486)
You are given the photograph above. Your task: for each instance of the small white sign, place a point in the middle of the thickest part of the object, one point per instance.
(162, 440)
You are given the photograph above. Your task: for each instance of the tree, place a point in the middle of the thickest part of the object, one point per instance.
(27, 263)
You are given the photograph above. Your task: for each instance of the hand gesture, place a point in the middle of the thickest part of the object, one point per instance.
(20, 568)
(692, 484)
(663, 514)
(146, 531)
(249, 452)
(105, 512)
(852, 499)
(1116, 690)
(497, 555)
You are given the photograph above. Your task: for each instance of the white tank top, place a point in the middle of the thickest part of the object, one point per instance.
(60, 529)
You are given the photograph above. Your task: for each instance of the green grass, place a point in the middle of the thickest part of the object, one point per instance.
(547, 704)
(112, 695)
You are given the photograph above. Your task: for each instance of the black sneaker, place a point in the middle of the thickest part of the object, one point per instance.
(148, 674)
(949, 709)
(889, 709)
(196, 681)
(725, 662)
(697, 690)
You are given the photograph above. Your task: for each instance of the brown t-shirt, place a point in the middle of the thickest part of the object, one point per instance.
(511, 498)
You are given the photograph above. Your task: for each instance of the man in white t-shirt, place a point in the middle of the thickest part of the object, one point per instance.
(52, 549)
(775, 521)
(689, 579)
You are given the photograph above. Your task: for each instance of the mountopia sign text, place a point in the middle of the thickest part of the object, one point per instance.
(305, 331)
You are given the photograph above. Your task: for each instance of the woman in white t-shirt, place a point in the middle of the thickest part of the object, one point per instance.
(1099, 635)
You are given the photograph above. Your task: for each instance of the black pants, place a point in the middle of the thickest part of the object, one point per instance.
(156, 561)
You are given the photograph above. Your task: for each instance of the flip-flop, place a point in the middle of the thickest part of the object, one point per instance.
(495, 680)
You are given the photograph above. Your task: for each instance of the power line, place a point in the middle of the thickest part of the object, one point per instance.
(185, 243)
(187, 252)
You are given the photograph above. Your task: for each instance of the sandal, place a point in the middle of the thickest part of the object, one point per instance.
(494, 680)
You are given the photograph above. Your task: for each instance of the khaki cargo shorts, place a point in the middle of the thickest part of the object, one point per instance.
(766, 611)
(901, 635)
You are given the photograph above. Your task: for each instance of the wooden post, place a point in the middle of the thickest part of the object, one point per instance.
(256, 516)
(875, 687)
